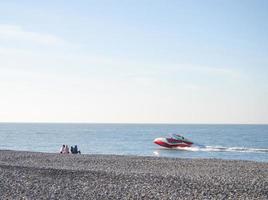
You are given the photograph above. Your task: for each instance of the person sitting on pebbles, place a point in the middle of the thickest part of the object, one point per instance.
(75, 150)
(64, 149)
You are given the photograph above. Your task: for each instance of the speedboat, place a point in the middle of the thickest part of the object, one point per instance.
(173, 141)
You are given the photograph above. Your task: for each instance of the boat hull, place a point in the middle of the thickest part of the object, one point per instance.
(171, 143)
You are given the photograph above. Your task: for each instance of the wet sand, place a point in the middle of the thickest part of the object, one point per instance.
(29, 175)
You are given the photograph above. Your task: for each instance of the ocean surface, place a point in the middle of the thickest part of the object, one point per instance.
(236, 142)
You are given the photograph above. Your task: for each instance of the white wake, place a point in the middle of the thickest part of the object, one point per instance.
(223, 149)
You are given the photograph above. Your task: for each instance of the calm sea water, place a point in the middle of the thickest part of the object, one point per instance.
(243, 142)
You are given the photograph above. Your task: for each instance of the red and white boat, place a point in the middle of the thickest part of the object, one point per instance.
(174, 141)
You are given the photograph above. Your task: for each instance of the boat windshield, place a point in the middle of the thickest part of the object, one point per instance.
(177, 137)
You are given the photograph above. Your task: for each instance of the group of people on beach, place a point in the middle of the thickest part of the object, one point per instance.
(65, 149)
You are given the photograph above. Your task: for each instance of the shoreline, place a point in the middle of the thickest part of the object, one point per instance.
(35, 175)
(144, 156)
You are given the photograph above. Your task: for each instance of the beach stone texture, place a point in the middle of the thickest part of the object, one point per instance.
(29, 175)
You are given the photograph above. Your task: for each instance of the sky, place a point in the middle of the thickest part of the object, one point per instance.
(129, 61)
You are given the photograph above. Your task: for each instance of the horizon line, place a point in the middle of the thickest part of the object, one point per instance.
(130, 123)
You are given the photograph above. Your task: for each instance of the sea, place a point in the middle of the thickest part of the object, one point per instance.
(234, 142)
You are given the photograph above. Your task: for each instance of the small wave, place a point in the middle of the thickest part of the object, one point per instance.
(224, 149)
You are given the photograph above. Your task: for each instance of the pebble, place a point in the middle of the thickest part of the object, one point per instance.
(31, 175)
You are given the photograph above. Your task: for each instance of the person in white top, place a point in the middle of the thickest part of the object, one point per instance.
(66, 150)
(62, 148)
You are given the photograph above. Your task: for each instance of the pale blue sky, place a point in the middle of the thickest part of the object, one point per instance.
(134, 61)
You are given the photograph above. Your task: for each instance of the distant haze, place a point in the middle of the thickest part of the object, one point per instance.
(134, 61)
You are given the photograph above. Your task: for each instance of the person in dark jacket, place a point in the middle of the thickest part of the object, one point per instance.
(75, 150)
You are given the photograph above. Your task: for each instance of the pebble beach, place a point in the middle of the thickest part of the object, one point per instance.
(31, 175)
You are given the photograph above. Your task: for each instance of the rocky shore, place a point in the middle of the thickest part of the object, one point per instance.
(29, 175)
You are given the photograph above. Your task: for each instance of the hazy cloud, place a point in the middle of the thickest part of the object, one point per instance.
(18, 33)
